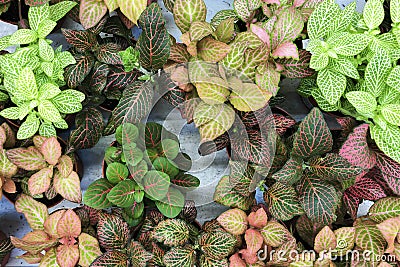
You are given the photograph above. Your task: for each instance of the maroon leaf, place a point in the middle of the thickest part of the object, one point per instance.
(75, 74)
(179, 53)
(293, 68)
(108, 53)
(307, 229)
(367, 189)
(313, 137)
(347, 124)
(351, 202)
(89, 129)
(215, 145)
(119, 79)
(283, 123)
(254, 118)
(355, 149)
(391, 172)
(170, 92)
(81, 40)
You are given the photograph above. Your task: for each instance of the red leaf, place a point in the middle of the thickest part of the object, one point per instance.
(283, 123)
(355, 149)
(391, 172)
(367, 189)
(236, 261)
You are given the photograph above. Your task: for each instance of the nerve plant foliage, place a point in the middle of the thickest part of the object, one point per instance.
(108, 69)
(145, 162)
(357, 67)
(50, 173)
(57, 239)
(33, 74)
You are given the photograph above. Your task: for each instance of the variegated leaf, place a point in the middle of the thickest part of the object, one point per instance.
(69, 225)
(89, 249)
(68, 187)
(91, 12)
(211, 50)
(35, 212)
(132, 9)
(67, 255)
(187, 12)
(384, 209)
(233, 221)
(40, 182)
(325, 240)
(275, 234)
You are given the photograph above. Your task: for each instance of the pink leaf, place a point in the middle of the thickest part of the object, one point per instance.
(298, 3)
(288, 27)
(293, 68)
(261, 33)
(69, 225)
(355, 149)
(258, 219)
(286, 50)
(51, 150)
(367, 189)
(67, 255)
(272, 2)
(351, 202)
(236, 261)
(40, 182)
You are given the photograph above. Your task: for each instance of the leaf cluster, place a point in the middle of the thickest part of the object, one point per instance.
(7, 169)
(58, 234)
(357, 67)
(144, 162)
(33, 74)
(49, 171)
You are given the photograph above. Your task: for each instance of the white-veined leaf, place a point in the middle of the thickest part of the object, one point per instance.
(377, 72)
(364, 102)
(29, 127)
(373, 13)
(37, 14)
(23, 36)
(68, 101)
(46, 52)
(332, 85)
(48, 111)
(391, 113)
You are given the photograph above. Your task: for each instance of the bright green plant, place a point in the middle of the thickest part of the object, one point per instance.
(52, 172)
(33, 74)
(58, 234)
(145, 162)
(357, 67)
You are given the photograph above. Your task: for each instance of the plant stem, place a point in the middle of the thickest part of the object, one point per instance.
(21, 20)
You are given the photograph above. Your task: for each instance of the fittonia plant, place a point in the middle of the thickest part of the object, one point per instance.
(145, 163)
(33, 74)
(357, 67)
(59, 235)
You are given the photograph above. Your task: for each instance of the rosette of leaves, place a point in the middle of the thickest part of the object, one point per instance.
(313, 179)
(113, 236)
(7, 168)
(356, 65)
(145, 162)
(50, 172)
(58, 234)
(33, 74)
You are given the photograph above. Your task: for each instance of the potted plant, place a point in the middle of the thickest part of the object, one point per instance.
(32, 76)
(144, 164)
(58, 234)
(46, 174)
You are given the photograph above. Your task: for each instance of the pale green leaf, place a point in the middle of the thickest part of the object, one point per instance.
(47, 129)
(37, 14)
(48, 111)
(188, 11)
(4, 42)
(23, 36)
(46, 27)
(393, 79)
(332, 85)
(373, 13)
(376, 73)
(344, 66)
(59, 10)
(46, 52)
(395, 11)
(29, 127)
(321, 19)
(27, 84)
(364, 102)
(10, 113)
(319, 61)
(47, 68)
(391, 113)
(68, 101)
(348, 44)
(132, 8)
(48, 91)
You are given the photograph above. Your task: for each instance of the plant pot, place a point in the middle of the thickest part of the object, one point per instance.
(78, 168)
(7, 256)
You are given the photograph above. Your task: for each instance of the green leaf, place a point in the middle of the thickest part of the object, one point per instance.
(187, 12)
(384, 209)
(156, 184)
(348, 44)
(96, 194)
(48, 91)
(225, 30)
(75, 74)
(123, 194)
(391, 113)
(29, 127)
(369, 238)
(37, 14)
(172, 204)
(11, 113)
(111, 258)
(218, 244)
(5, 42)
(35, 212)
(225, 194)
(274, 234)
(154, 42)
(291, 172)
(23, 36)
(185, 181)
(48, 111)
(211, 50)
(333, 167)
(395, 11)
(45, 28)
(373, 14)
(46, 52)
(164, 165)
(364, 102)
(234, 221)
(68, 101)
(393, 80)
(377, 72)
(171, 232)
(248, 97)
(27, 84)
(321, 19)
(283, 202)
(321, 101)
(319, 199)
(112, 232)
(59, 10)
(332, 85)
(313, 136)
(89, 248)
(116, 172)
(344, 66)
(138, 254)
(180, 257)
(68, 187)
(132, 9)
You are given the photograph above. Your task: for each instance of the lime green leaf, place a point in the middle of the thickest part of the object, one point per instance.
(46, 27)
(373, 14)
(364, 102)
(37, 14)
(47, 129)
(344, 66)
(89, 249)
(348, 44)
(234, 221)
(172, 204)
(321, 19)
(48, 91)
(68, 101)
(132, 9)
(248, 97)
(384, 209)
(214, 91)
(5, 42)
(395, 11)
(46, 52)
(27, 84)
(332, 85)
(391, 113)
(11, 113)
(29, 127)
(23, 36)
(369, 238)
(225, 30)
(199, 30)
(187, 12)
(235, 58)
(377, 72)
(211, 50)
(59, 10)
(393, 79)
(48, 111)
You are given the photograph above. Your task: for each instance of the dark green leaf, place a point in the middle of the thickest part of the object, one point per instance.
(156, 184)
(96, 194)
(172, 204)
(76, 73)
(123, 194)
